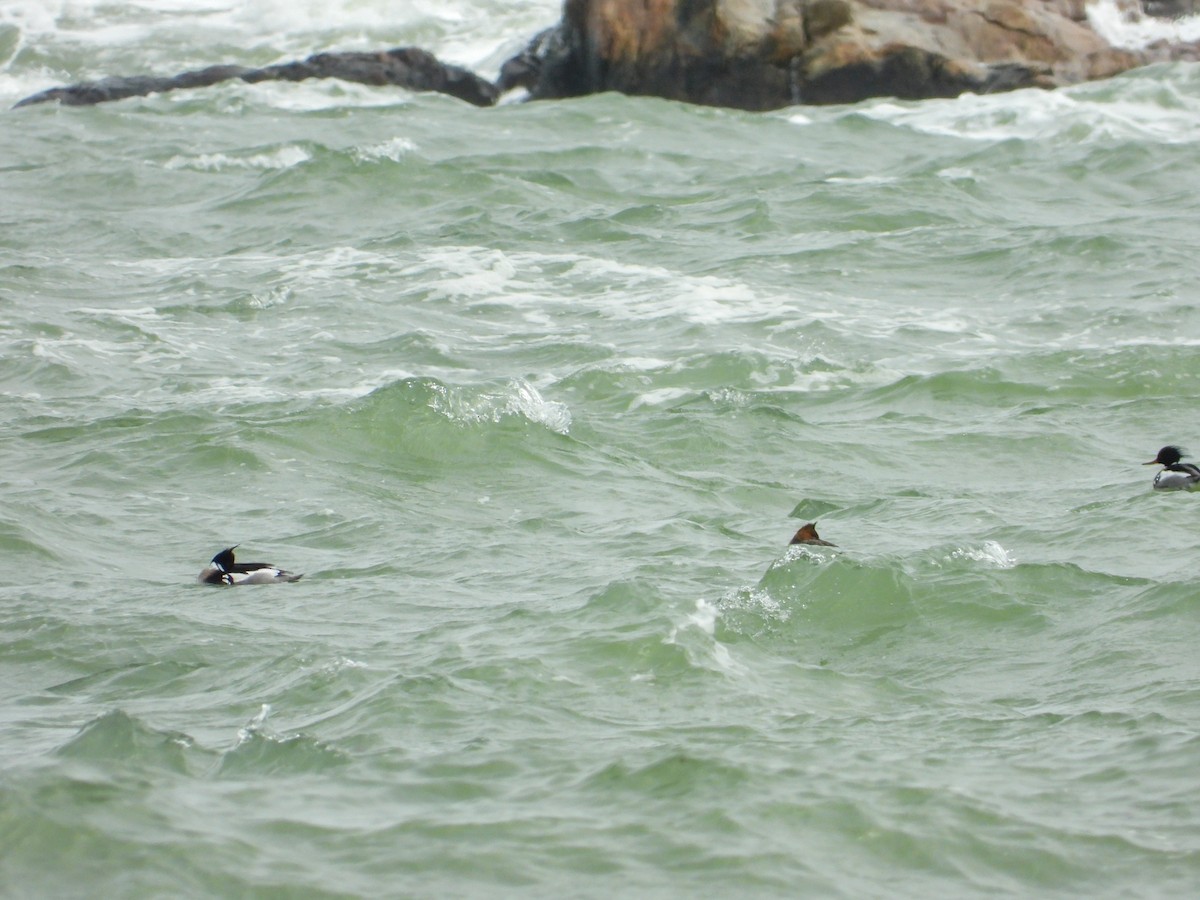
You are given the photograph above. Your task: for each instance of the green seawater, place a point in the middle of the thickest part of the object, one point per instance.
(535, 397)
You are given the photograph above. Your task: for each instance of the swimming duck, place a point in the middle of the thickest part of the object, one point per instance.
(808, 535)
(223, 570)
(1175, 475)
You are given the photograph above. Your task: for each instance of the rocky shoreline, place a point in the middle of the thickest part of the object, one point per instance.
(744, 54)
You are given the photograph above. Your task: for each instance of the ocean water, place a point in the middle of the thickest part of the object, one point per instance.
(536, 396)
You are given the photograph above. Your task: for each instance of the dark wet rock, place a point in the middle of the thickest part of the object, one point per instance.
(118, 88)
(407, 67)
(525, 69)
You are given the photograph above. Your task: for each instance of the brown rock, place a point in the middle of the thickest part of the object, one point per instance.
(734, 52)
(822, 17)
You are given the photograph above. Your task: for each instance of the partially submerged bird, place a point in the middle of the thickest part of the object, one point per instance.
(223, 570)
(1175, 475)
(808, 535)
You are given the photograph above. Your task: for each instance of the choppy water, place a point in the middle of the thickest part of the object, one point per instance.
(536, 396)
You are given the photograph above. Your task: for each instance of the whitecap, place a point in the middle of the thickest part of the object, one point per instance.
(704, 619)
(640, 364)
(256, 725)
(129, 316)
(467, 272)
(518, 280)
(660, 397)
(655, 292)
(525, 400)
(759, 601)
(341, 664)
(312, 95)
(518, 398)
(1086, 112)
(280, 158)
(395, 150)
(705, 616)
(989, 552)
(729, 397)
(56, 349)
(1029, 115)
(862, 179)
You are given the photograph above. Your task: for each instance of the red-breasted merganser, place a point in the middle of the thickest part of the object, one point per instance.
(223, 570)
(1175, 475)
(808, 535)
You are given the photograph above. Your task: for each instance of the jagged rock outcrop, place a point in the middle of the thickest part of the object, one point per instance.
(764, 54)
(748, 54)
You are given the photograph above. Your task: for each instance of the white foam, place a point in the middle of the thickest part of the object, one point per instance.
(395, 150)
(1130, 30)
(463, 31)
(517, 398)
(1083, 113)
(103, 24)
(137, 314)
(252, 388)
(517, 279)
(725, 659)
(32, 17)
(311, 95)
(759, 601)
(1025, 115)
(527, 401)
(357, 391)
(814, 554)
(660, 397)
(989, 552)
(14, 87)
(464, 273)
(256, 725)
(655, 292)
(704, 619)
(642, 364)
(280, 158)
(293, 16)
(57, 349)
(863, 179)
(341, 664)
